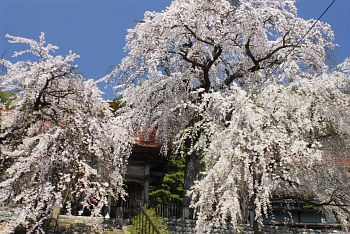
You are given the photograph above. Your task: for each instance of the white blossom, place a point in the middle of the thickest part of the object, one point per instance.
(60, 140)
(216, 75)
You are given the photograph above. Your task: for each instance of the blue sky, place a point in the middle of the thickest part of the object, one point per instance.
(96, 29)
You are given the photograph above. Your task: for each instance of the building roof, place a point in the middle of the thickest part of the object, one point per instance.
(147, 139)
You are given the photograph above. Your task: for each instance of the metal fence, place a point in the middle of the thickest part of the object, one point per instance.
(127, 209)
(143, 223)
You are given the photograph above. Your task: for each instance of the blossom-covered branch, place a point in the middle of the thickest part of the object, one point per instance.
(59, 139)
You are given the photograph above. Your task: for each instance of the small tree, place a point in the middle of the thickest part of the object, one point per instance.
(60, 139)
(172, 187)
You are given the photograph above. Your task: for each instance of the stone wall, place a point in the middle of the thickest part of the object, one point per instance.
(83, 224)
(181, 226)
(186, 226)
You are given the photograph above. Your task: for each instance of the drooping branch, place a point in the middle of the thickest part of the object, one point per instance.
(217, 51)
(283, 46)
(216, 54)
(311, 202)
(195, 63)
(251, 56)
(258, 61)
(198, 37)
(230, 78)
(41, 99)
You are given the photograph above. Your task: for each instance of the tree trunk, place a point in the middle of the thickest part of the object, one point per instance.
(193, 168)
(257, 228)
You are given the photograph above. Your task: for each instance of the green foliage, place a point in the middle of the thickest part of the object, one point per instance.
(172, 188)
(5, 98)
(309, 207)
(116, 105)
(329, 128)
(157, 221)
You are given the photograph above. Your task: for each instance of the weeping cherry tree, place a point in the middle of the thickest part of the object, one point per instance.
(214, 80)
(59, 139)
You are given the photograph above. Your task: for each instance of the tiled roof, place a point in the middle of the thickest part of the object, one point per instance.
(147, 139)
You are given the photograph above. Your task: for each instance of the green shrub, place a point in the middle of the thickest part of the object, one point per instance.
(5, 98)
(309, 207)
(157, 221)
(329, 128)
(172, 187)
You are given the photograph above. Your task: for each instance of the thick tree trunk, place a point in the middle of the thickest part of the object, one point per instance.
(257, 228)
(193, 168)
